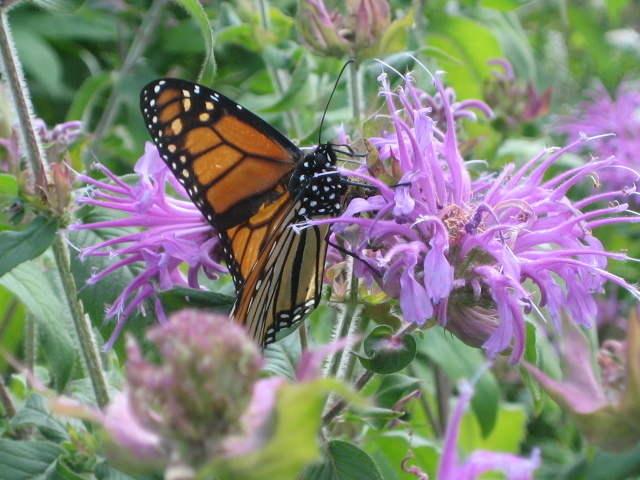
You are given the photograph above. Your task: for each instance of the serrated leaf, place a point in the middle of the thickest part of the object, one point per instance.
(32, 288)
(386, 354)
(19, 247)
(26, 460)
(35, 412)
(59, 6)
(283, 356)
(344, 461)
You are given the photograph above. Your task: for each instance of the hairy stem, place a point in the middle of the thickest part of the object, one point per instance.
(88, 346)
(16, 86)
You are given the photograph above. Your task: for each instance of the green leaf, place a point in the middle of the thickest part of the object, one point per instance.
(612, 466)
(87, 96)
(26, 460)
(390, 448)
(195, 9)
(184, 297)
(32, 288)
(531, 356)
(386, 354)
(19, 247)
(95, 296)
(502, 5)
(302, 90)
(508, 432)
(393, 387)
(59, 6)
(105, 472)
(8, 186)
(283, 356)
(377, 418)
(472, 44)
(461, 361)
(86, 25)
(13, 315)
(296, 424)
(35, 412)
(344, 461)
(39, 59)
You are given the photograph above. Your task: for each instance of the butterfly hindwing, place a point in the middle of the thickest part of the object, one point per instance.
(252, 184)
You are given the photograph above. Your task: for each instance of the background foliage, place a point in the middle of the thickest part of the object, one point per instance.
(89, 62)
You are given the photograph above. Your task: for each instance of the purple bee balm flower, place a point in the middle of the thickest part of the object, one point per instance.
(173, 232)
(56, 142)
(469, 252)
(603, 114)
(479, 462)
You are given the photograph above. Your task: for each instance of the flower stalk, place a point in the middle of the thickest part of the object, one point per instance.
(34, 151)
(14, 79)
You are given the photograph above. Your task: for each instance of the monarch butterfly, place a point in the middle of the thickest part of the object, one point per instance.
(252, 184)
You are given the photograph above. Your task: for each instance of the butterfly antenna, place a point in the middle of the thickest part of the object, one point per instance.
(324, 114)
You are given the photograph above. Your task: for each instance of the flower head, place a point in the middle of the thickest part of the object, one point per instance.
(364, 31)
(603, 114)
(173, 232)
(513, 102)
(195, 398)
(56, 141)
(460, 249)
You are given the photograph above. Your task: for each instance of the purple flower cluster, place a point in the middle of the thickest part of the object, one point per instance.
(171, 231)
(56, 142)
(605, 114)
(469, 251)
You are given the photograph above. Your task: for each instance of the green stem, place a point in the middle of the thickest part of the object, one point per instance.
(346, 325)
(12, 72)
(16, 86)
(355, 90)
(436, 425)
(30, 343)
(5, 400)
(443, 395)
(88, 346)
(142, 39)
(340, 405)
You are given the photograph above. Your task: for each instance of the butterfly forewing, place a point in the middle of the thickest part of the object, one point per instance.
(252, 184)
